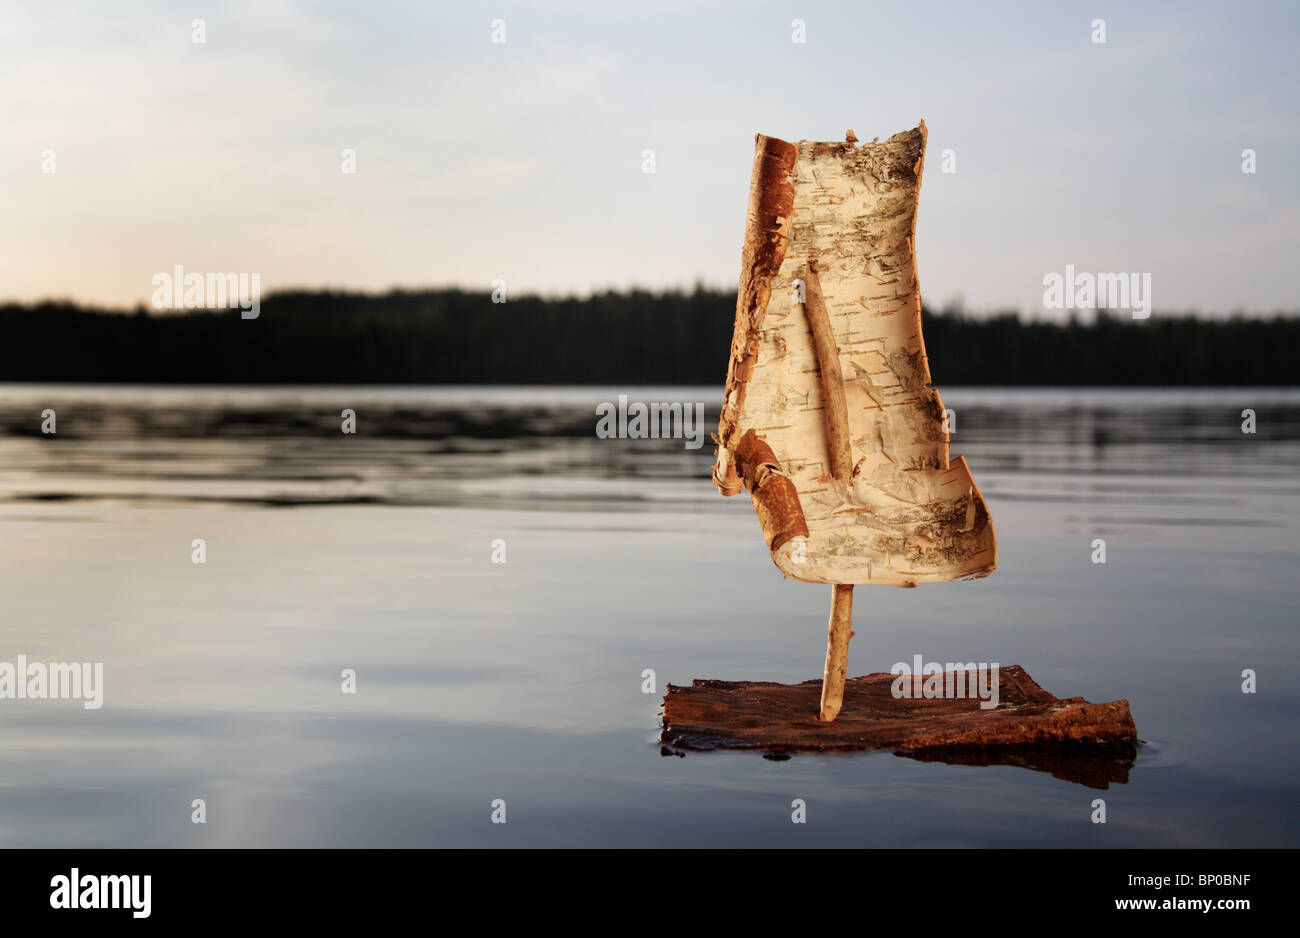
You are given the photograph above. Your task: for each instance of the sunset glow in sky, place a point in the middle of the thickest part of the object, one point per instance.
(523, 160)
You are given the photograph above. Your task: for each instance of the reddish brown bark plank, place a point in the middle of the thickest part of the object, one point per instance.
(1085, 742)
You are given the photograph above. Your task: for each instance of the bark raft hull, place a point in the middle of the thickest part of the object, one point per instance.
(1094, 744)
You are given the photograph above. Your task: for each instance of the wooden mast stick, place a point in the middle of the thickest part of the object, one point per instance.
(839, 631)
(840, 627)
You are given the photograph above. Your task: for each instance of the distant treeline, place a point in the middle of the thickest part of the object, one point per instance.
(628, 338)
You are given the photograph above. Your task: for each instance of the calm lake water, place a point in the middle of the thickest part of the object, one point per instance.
(522, 680)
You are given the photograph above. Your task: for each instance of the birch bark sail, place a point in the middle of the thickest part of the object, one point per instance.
(828, 418)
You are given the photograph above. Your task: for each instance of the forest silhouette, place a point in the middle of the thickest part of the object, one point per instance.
(636, 337)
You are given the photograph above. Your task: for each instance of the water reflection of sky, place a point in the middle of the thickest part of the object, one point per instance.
(523, 681)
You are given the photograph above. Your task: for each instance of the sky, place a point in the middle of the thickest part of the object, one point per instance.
(523, 160)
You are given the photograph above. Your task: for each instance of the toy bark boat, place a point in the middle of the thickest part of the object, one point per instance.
(829, 420)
